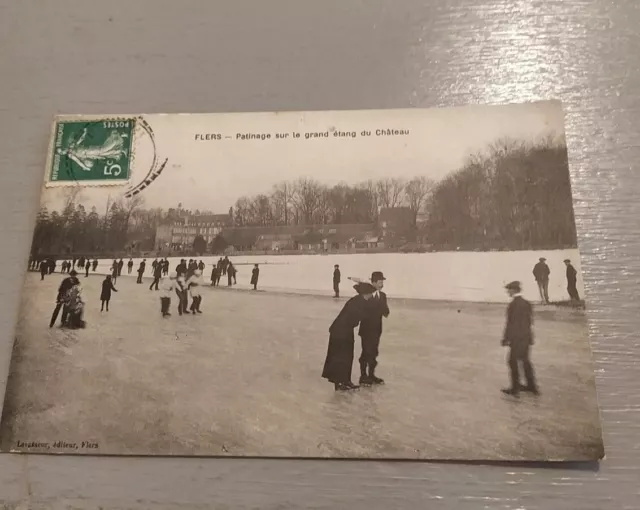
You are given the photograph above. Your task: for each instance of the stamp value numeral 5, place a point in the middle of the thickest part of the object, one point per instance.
(112, 168)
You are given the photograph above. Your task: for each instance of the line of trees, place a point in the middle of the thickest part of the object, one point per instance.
(307, 201)
(515, 197)
(75, 230)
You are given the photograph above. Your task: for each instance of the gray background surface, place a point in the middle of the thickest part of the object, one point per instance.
(195, 56)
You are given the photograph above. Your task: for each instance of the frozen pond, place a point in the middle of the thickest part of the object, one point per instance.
(450, 276)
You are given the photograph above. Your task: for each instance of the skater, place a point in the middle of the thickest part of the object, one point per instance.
(541, 273)
(519, 338)
(339, 360)
(105, 295)
(225, 265)
(95, 265)
(141, 270)
(75, 308)
(165, 267)
(255, 273)
(192, 268)
(336, 281)
(129, 266)
(114, 274)
(87, 268)
(168, 288)
(215, 278)
(181, 292)
(371, 330)
(66, 284)
(231, 274)
(120, 266)
(52, 266)
(181, 268)
(154, 264)
(571, 281)
(193, 284)
(44, 270)
(157, 274)
(201, 266)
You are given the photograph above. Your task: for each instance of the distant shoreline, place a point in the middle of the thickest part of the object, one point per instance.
(285, 253)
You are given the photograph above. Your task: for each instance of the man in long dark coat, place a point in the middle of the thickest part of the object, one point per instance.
(66, 284)
(255, 274)
(105, 294)
(141, 270)
(120, 266)
(339, 360)
(371, 330)
(181, 269)
(518, 336)
(572, 278)
(157, 274)
(336, 280)
(44, 270)
(541, 273)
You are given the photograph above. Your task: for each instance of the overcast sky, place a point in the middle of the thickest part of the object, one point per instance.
(213, 174)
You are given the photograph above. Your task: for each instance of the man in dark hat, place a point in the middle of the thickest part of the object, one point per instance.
(371, 330)
(339, 360)
(519, 338)
(572, 277)
(336, 281)
(181, 269)
(141, 268)
(65, 286)
(541, 273)
(44, 270)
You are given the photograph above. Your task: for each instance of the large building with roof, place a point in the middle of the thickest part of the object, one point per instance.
(394, 227)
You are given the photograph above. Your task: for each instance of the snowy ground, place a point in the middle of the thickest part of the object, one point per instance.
(244, 379)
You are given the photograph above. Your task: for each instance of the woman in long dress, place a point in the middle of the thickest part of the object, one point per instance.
(339, 360)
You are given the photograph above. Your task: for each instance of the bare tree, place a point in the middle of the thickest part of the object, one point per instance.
(371, 190)
(241, 216)
(281, 202)
(416, 192)
(260, 211)
(306, 198)
(130, 205)
(390, 192)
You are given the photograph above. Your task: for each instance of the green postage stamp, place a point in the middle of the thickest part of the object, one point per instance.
(91, 152)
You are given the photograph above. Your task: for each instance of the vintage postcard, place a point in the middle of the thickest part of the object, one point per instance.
(393, 284)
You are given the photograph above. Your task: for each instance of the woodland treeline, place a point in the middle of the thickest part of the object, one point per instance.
(515, 196)
(309, 202)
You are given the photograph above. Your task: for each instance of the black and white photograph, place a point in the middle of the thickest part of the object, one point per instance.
(389, 284)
